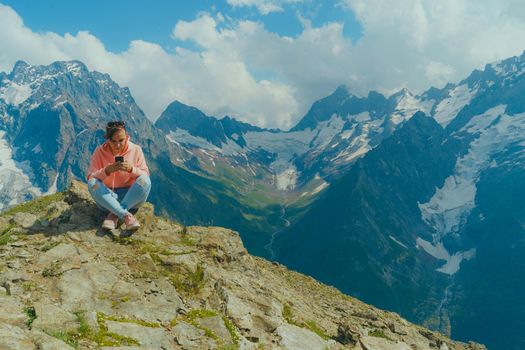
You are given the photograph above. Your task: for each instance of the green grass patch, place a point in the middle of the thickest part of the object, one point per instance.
(289, 317)
(189, 283)
(200, 313)
(49, 245)
(52, 270)
(36, 206)
(311, 325)
(31, 315)
(132, 320)
(105, 338)
(69, 338)
(232, 330)
(149, 247)
(6, 235)
(378, 333)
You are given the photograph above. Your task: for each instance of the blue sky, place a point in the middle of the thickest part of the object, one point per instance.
(117, 22)
(263, 61)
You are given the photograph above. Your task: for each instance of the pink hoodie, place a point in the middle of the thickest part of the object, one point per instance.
(103, 157)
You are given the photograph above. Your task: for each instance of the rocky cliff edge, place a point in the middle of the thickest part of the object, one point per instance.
(65, 284)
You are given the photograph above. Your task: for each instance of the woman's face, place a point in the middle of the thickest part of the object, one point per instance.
(117, 141)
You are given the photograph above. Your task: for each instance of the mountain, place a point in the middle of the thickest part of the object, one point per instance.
(430, 222)
(64, 286)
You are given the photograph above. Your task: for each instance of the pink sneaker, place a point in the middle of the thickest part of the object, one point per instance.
(110, 222)
(132, 224)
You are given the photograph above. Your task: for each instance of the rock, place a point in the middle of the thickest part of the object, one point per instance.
(377, 343)
(78, 192)
(24, 220)
(257, 319)
(146, 336)
(216, 325)
(143, 264)
(14, 264)
(88, 288)
(12, 311)
(47, 342)
(225, 244)
(15, 338)
(51, 318)
(297, 338)
(126, 290)
(189, 261)
(190, 337)
(346, 335)
(59, 259)
(24, 254)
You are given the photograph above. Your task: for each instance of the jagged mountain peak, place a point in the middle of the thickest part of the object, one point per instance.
(172, 287)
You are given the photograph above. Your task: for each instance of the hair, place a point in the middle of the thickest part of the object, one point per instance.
(113, 127)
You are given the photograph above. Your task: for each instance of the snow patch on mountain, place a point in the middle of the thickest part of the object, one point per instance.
(398, 242)
(180, 136)
(438, 251)
(15, 94)
(15, 184)
(327, 130)
(408, 105)
(447, 109)
(287, 179)
(448, 209)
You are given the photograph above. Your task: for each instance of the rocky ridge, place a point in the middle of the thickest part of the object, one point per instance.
(65, 284)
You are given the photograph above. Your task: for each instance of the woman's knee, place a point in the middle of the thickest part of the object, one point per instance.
(93, 184)
(144, 181)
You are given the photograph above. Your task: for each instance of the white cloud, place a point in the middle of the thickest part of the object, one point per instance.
(242, 69)
(419, 43)
(263, 6)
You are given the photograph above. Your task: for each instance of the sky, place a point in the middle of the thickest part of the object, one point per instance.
(263, 61)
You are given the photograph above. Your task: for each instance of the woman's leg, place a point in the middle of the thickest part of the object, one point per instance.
(105, 198)
(137, 193)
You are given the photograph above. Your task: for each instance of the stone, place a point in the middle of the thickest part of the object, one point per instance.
(216, 325)
(377, 343)
(257, 319)
(62, 258)
(47, 342)
(226, 243)
(146, 336)
(51, 318)
(88, 288)
(297, 338)
(12, 311)
(123, 289)
(189, 261)
(15, 338)
(190, 337)
(24, 220)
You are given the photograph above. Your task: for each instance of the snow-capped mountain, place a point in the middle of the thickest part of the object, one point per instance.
(333, 134)
(430, 223)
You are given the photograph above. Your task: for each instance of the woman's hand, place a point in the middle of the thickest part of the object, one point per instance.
(112, 168)
(119, 166)
(125, 166)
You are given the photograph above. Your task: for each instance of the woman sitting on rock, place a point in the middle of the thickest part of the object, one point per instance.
(118, 177)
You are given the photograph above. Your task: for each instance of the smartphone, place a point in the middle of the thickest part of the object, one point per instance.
(119, 159)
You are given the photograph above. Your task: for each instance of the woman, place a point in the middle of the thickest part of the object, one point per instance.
(118, 177)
